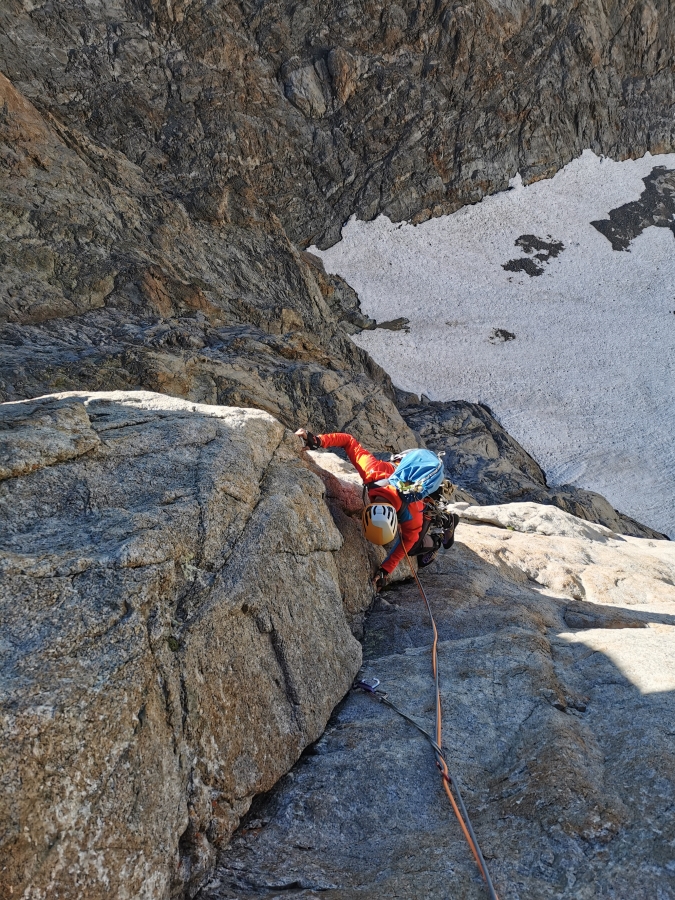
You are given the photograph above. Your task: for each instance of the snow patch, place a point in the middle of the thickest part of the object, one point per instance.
(578, 362)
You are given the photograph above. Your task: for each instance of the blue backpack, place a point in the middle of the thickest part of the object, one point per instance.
(418, 474)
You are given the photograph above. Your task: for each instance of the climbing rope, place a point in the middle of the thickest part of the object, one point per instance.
(450, 784)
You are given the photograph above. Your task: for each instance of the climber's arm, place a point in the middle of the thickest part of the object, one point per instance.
(409, 532)
(362, 460)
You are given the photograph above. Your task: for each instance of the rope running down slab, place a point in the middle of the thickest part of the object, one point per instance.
(449, 783)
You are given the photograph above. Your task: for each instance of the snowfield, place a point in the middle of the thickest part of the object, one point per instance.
(572, 345)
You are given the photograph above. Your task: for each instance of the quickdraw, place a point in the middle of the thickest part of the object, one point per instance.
(450, 784)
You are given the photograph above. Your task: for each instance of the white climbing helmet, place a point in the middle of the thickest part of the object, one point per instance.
(379, 523)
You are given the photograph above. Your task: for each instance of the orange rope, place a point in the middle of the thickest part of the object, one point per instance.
(440, 761)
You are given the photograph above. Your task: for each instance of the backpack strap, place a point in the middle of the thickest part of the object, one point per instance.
(419, 543)
(404, 514)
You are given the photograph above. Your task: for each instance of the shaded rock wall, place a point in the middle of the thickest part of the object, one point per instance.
(320, 110)
(159, 165)
(108, 283)
(174, 635)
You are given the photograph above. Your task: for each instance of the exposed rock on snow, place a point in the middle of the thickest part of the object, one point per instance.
(173, 634)
(538, 252)
(656, 206)
(558, 677)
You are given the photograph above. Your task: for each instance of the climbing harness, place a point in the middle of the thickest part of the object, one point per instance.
(438, 530)
(450, 784)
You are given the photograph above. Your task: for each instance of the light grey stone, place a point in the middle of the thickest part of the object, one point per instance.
(173, 635)
(303, 89)
(556, 726)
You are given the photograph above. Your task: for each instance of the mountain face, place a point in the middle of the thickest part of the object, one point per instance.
(162, 162)
(315, 111)
(109, 283)
(181, 590)
(162, 165)
(175, 630)
(558, 686)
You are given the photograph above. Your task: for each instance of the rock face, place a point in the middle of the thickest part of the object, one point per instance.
(108, 283)
(558, 680)
(177, 600)
(173, 635)
(161, 164)
(178, 609)
(318, 111)
(489, 466)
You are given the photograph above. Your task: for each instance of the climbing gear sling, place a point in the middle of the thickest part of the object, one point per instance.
(450, 784)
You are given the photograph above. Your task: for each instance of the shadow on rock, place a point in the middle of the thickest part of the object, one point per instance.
(556, 725)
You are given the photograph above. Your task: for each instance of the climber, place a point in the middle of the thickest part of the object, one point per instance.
(397, 511)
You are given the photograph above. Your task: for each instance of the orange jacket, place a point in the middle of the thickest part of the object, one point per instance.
(372, 469)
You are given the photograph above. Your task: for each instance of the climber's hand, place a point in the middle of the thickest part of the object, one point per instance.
(311, 441)
(379, 580)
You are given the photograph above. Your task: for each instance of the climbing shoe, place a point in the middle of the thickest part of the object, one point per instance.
(449, 531)
(429, 554)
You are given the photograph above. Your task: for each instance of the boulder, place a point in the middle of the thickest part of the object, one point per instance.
(173, 635)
